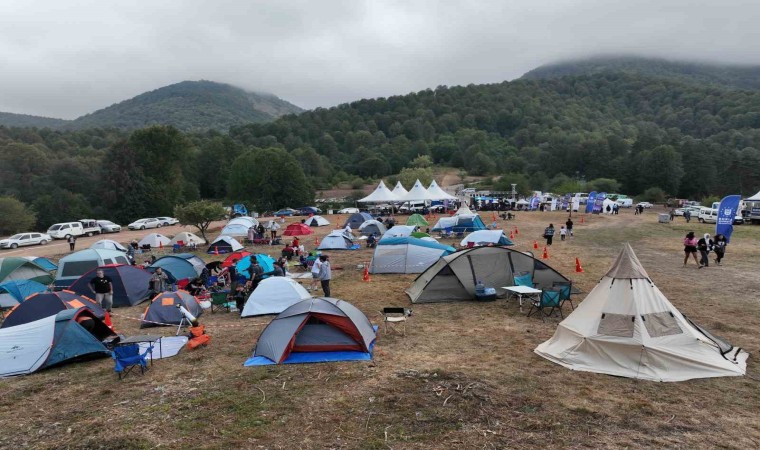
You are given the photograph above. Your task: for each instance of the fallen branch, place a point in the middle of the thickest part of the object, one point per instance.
(447, 399)
(264, 396)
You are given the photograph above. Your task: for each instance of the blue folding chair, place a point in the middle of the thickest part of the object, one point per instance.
(523, 279)
(550, 298)
(127, 357)
(565, 290)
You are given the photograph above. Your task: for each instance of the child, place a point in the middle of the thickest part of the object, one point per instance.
(562, 233)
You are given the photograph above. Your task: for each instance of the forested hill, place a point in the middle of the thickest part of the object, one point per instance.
(188, 106)
(728, 76)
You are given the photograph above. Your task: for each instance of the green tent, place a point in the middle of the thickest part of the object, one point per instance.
(14, 268)
(417, 220)
(419, 234)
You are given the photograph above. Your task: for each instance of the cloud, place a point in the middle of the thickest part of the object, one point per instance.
(65, 59)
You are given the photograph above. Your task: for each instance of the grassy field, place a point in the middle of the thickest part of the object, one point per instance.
(464, 376)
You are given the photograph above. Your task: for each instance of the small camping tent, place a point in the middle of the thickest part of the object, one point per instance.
(15, 268)
(355, 220)
(163, 309)
(627, 327)
(45, 304)
(224, 244)
(75, 265)
(336, 240)
(265, 261)
(51, 340)
(236, 256)
(273, 296)
(486, 237)
(460, 224)
(155, 240)
(464, 211)
(239, 226)
(315, 330)
(406, 255)
(181, 266)
(297, 229)
(453, 277)
(187, 238)
(372, 227)
(416, 220)
(130, 284)
(317, 221)
(43, 262)
(398, 231)
(13, 292)
(109, 244)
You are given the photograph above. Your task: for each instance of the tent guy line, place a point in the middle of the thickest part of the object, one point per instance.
(174, 324)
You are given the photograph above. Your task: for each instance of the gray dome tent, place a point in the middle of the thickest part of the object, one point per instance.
(453, 277)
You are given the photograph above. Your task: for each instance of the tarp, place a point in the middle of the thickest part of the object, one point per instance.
(13, 292)
(130, 284)
(73, 266)
(163, 309)
(297, 229)
(45, 304)
(355, 220)
(317, 221)
(15, 268)
(273, 296)
(325, 325)
(627, 327)
(453, 277)
(406, 255)
(155, 240)
(109, 244)
(372, 227)
(224, 244)
(436, 193)
(486, 237)
(336, 240)
(381, 194)
(186, 238)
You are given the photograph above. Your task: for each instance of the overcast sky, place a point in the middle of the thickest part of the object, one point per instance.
(67, 58)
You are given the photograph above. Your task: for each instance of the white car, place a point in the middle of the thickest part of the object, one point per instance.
(644, 204)
(145, 223)
(107, 226)
(166, 221)
(348, 211)
(21, 239)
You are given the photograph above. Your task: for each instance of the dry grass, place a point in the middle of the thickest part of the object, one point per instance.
(464, 376)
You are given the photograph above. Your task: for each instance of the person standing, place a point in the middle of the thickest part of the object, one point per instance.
(72, 242)
(704, 246)
(690, 248)
(233, 274)
(255, 273)
(102, 287)
(687, 216)
(325, 274)
(549, 234)
(719, 247)
(569, 225)
(562, 233)
(315, 268)
(160, 281)
(273, 227)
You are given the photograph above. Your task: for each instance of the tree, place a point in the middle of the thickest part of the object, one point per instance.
(270, 178)
(64, 206)
(654, 195)
(604, 185)
(199, 214)
(14, 216)
(409, 176)
(661, 167)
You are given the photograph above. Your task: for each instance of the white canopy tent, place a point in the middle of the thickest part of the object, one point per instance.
(437, 193)
(418, 193)
(754, 198)
(381, 194)
(627, 327)
(399, 190)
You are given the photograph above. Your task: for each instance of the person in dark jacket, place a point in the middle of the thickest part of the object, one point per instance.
(704, 246)
(549, 234)
(719, 247)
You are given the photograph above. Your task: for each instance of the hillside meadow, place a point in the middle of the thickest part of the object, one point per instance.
(464, 376)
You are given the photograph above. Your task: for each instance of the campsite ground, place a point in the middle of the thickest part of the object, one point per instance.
(465, 375)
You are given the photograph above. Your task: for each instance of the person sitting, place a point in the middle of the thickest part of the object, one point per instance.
(371, 241)
(278, 270)
(240, 297)
(303, 262)
(288, 252)
(295, 245)
(196, 287)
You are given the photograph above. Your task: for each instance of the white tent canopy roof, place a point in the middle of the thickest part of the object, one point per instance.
(437, 193)
(754, 198)
(399, 190)
(381, 194)
(417, 193)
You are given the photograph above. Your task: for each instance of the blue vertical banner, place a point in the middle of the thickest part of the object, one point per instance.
(590, 202)
(599, 202)
(726, 213)
(534, 202)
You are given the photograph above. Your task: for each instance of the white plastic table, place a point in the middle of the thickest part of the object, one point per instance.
(521, 291)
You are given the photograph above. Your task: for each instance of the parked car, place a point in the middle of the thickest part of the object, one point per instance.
(285, 212)
(644, 204)
(65, 230)
(307, 210)
(106, 226)
(348, 211)
(624, 202)
(90, 227)
(22, 239)
(707, 215)
(694, 210)
(739, 220)
(142, 224)
(166, 221)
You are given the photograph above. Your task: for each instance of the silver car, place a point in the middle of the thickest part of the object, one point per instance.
(21, 239)
(145, 223)
(166, 221)
(109, 227)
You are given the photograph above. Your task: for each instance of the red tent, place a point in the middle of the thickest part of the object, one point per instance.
(297, 229)
(237, 255)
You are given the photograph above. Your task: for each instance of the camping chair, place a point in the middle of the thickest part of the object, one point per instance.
(446, 232)
(127, 357)
(550, 298)
(395, 316)
(220, 300)
(523, 279)
(176, 248)
(565, 290)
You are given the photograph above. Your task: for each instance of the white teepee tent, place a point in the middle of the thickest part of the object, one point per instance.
(626, 327)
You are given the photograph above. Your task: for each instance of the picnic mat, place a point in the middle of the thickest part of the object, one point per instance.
(167, 347)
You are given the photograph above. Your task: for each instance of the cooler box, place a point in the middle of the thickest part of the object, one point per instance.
(663, 218)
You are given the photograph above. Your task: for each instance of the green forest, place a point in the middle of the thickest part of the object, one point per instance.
(638, 132)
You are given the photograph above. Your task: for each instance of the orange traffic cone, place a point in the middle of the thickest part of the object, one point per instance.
(316, 241)
(107, 321)
(546, 253)
(160, 244)
(517, 231)
(578, 267)
(511, 235)
(366, 277)
(535, 245)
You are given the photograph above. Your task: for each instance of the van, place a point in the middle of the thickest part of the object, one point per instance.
(90, 227)
(65, 230)
(708, 215)
(625, 202)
